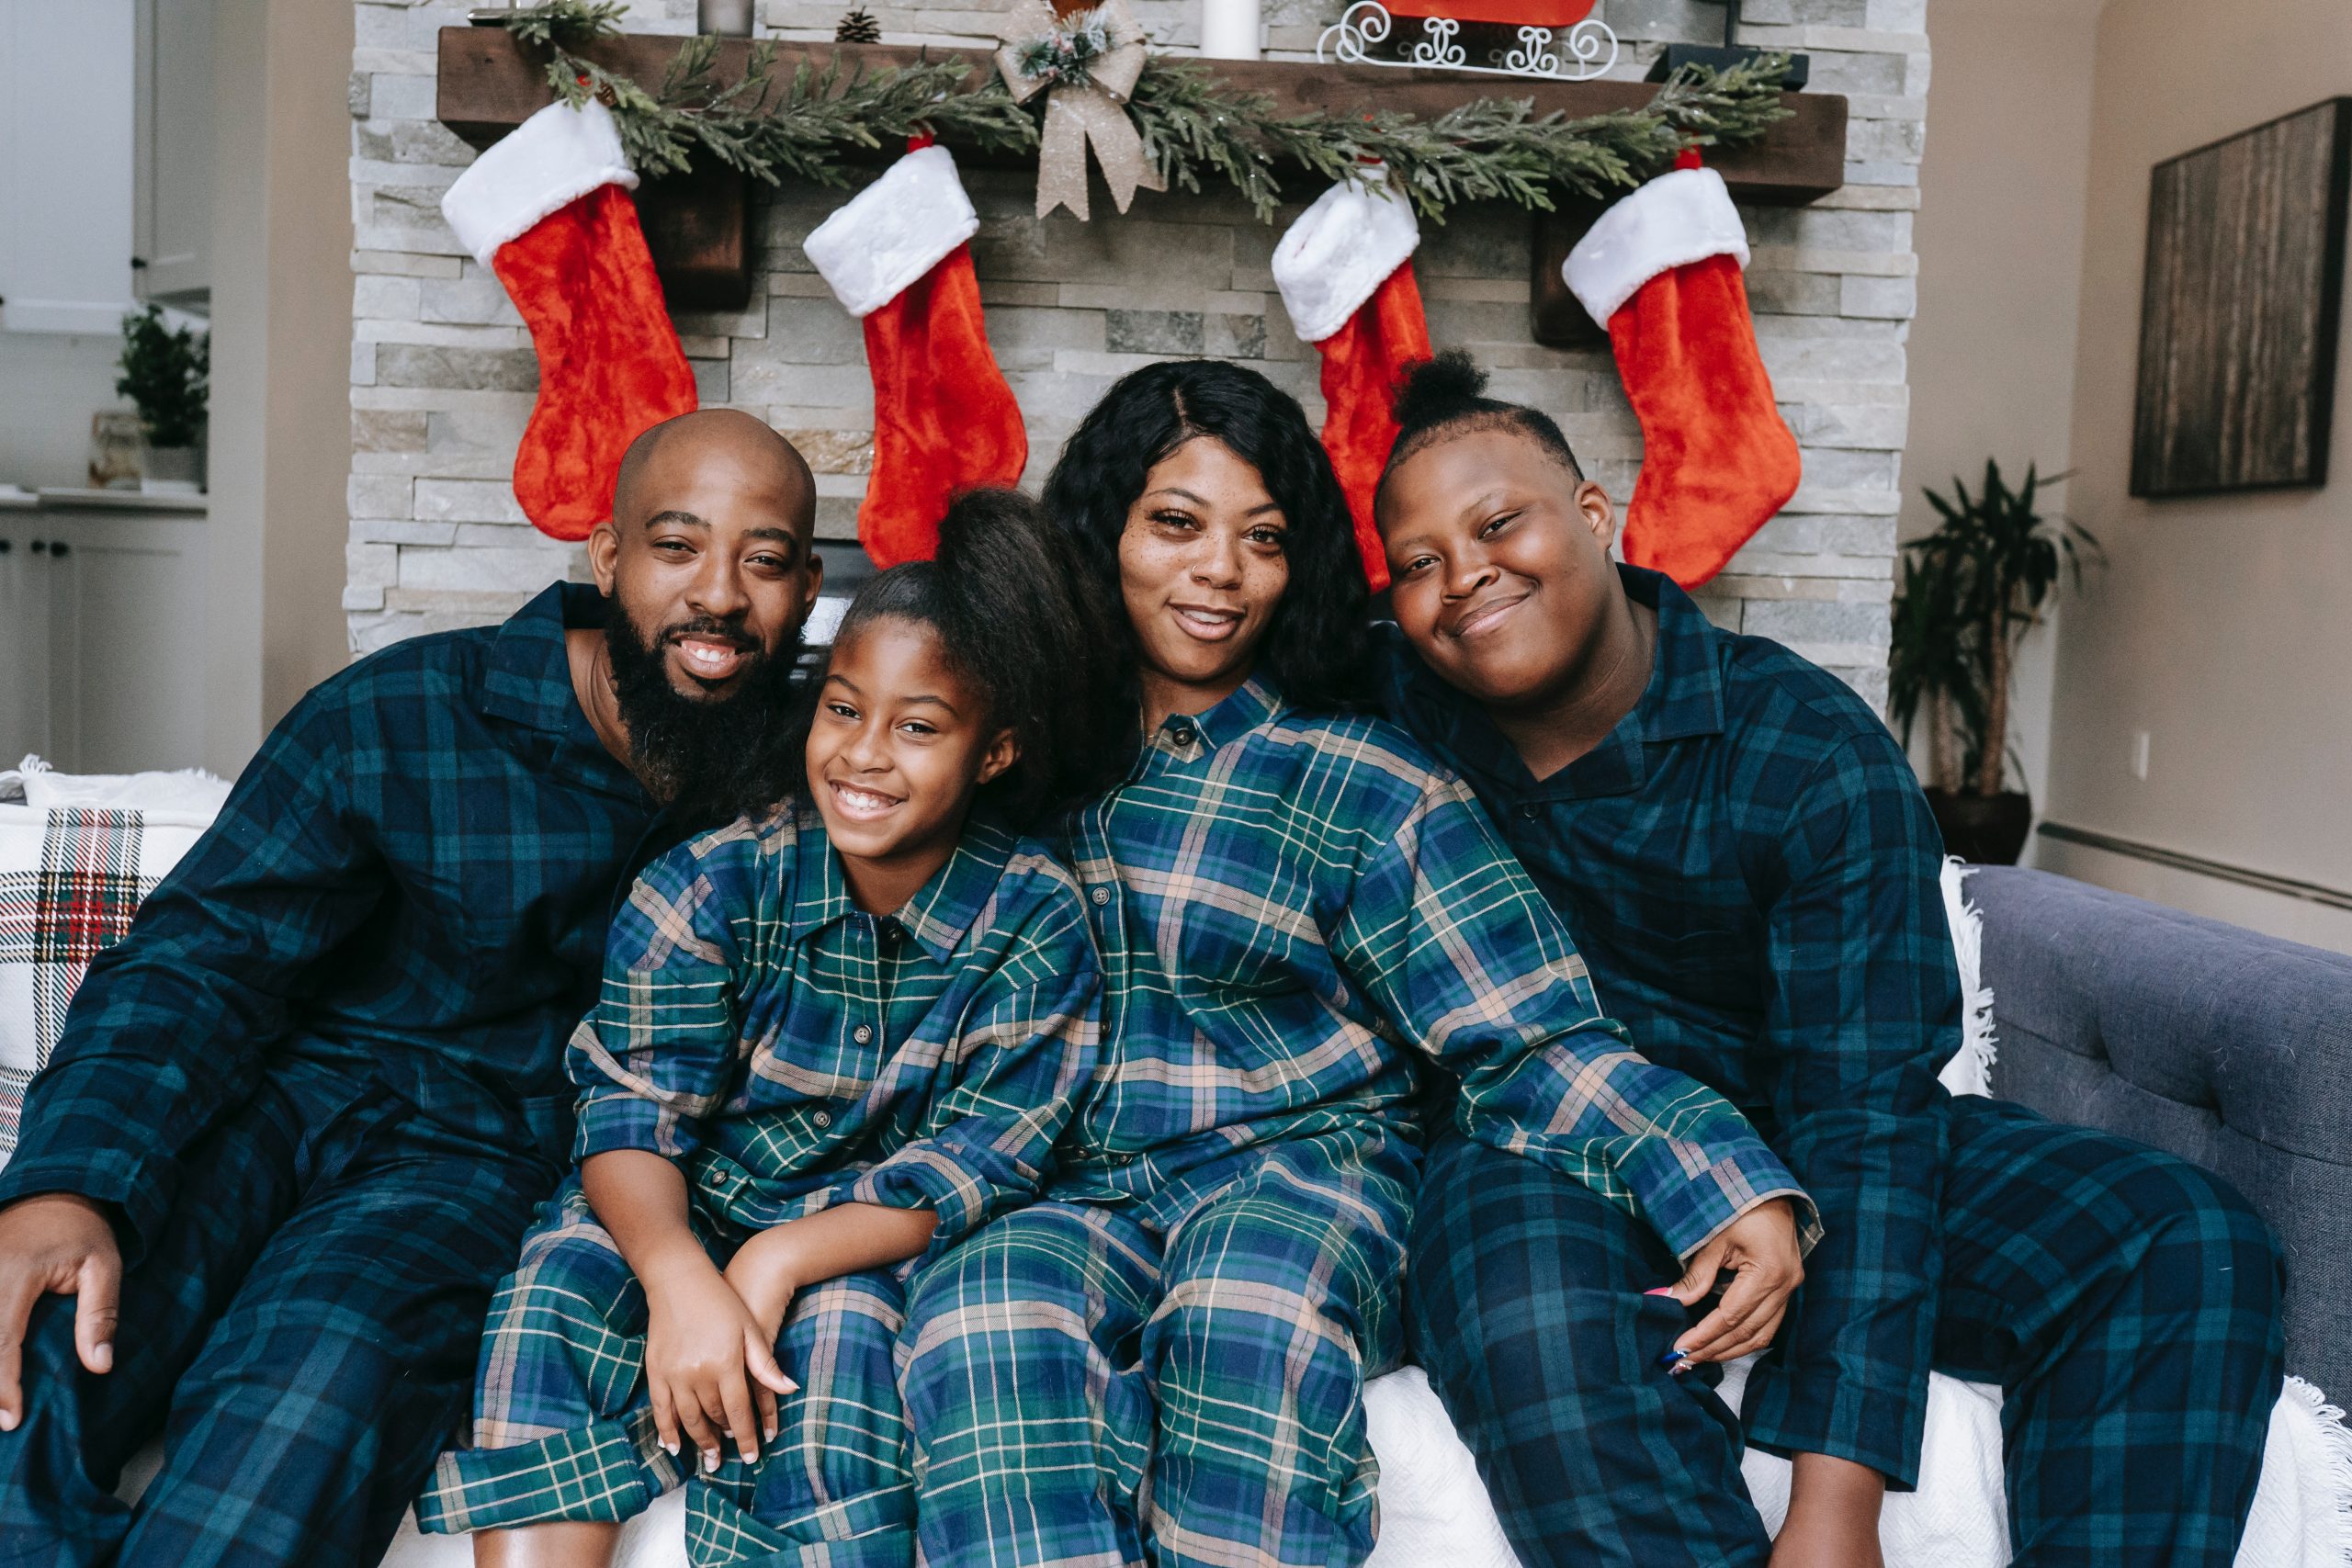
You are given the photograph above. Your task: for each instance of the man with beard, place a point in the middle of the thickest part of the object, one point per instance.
(300, 1116)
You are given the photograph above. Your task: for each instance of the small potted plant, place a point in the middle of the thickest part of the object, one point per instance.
(1970, 593)
(166, 375)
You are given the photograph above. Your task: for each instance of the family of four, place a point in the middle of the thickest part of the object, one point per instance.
(992, 1102)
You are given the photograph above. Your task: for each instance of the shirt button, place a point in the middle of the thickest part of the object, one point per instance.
(1183, 735)
(1530, 812)
(824, 1119)
(1101, 896)
(862, 1034)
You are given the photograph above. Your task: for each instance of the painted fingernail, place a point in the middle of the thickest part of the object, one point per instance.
(710, 1459)
(1661, 1290)
(771, 1434)
(1672, 1360)
(7, 1420)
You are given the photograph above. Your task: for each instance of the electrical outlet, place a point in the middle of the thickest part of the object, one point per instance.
(2139, 755)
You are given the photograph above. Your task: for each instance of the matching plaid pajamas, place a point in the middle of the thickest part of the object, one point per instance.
(789, 1051)
(1748, 866)
(1291, 912)
(320, 1087)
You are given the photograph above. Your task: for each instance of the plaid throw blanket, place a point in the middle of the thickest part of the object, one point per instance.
(71, 880)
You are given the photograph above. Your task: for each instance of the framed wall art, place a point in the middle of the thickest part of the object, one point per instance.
(2241, 306)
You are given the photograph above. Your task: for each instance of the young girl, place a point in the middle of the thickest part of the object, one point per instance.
(1294, 905)
(833, 1037)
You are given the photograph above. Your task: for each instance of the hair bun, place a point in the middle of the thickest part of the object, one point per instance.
(1441, 390)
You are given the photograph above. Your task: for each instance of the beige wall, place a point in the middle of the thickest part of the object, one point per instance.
(2219, 625)
(2000, 243)
(281, 317)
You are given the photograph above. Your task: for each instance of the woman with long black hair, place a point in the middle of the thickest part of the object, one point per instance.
(1293, 906)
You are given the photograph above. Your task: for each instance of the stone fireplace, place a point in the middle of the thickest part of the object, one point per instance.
(441, 371)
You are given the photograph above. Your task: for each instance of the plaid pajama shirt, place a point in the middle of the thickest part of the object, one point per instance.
(1748, 866)
(790, 1051)
(1291, 911)
(319, 1084)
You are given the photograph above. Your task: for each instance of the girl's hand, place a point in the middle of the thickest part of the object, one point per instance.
(766, 1274)
(1761, 1247)
(700, 1342)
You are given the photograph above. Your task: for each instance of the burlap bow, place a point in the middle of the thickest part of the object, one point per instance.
(1089, 108)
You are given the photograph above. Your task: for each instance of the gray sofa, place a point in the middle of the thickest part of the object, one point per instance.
(2221, 1046)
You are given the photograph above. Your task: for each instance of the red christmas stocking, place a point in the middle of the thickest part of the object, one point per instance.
(1346, 275)
(547, 210)
(1663, 269)
(944, 421)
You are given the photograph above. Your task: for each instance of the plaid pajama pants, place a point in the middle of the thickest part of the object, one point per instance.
(563, 1429)
(1179, 1379)
(2127, 1301)
(303, 1332)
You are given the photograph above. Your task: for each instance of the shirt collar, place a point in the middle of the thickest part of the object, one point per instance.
(1683, 698)
(1192, 736)
(1685, 694)
(942, 910)
(529, 676)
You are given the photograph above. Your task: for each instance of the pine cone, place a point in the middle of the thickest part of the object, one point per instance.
(858, 26)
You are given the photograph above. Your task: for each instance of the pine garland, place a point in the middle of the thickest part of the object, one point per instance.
(1192, 125)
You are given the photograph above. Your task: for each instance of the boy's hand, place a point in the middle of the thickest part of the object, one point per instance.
(56, 1243)
(1761, 1246)
(1833, 1516)
(700, 1342)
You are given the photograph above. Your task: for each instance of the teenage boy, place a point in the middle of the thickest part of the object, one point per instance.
(300, 1115)
(1742, 856)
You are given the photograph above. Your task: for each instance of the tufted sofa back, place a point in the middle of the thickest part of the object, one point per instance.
(2221, 1046)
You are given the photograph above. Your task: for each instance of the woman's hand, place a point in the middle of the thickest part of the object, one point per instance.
(701, 1342)
(1760, 1245)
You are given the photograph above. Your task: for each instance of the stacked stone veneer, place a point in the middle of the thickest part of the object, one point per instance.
(442, 372)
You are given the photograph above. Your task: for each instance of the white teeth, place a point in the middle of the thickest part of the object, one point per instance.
(863, 802)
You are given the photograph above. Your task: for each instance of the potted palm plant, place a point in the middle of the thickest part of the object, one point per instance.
(1969, 593)
(167, 374)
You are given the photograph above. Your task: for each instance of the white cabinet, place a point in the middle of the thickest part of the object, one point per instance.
(102, 635)
(66, 124)
(172, 154)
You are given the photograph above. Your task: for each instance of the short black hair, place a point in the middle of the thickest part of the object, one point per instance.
(1447, 396)
(1316, 651)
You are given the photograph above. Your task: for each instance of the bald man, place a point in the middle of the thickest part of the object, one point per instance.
(298, 1118)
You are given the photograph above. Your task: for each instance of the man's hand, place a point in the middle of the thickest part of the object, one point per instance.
(1833, 1516)
(56, 1243)
(701, 1342)
(1761, 1247)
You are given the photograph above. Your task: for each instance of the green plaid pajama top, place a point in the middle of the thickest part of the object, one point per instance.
(1293, 909)
(792, 1051)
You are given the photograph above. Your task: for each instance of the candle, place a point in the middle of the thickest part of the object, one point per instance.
(732, 18)
(1229, 29)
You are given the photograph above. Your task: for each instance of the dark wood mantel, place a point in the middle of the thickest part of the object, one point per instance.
(488, 84)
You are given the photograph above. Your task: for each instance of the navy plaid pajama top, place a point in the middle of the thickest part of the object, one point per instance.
(411, 882)
(1748, 867)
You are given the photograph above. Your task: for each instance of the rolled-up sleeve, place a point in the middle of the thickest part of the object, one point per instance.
(657, 1055)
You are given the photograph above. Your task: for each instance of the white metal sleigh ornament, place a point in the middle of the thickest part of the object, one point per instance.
(1559, 41)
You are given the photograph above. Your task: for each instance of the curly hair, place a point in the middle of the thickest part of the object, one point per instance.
(1447, 396)
(1016, 617)
(1317, 647)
